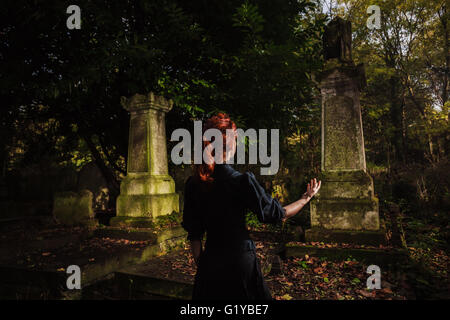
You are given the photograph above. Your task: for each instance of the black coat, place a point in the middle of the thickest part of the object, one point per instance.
(228, 267)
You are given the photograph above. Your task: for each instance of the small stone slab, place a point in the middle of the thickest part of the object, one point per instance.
(131, 222)
(177, 234)
(374, 238)
(16, 283)
(71, 208)
(276, 266)
(133, 284)
(129, 233)
(372, 256)
(51, 284)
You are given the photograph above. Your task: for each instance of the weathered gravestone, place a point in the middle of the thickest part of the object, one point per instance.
(91, 178)
(74, 208)
(147, 191)
(345, 210)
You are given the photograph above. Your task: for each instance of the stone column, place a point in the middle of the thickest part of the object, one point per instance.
(346, 209)
(147, 191)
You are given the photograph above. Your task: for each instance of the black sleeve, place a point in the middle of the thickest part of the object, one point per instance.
(192, 221)
(267, 209)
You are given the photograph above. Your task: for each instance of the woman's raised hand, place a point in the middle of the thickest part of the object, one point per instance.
(293, 208)
(313, 188)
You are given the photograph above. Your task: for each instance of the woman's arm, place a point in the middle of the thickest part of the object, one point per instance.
(293, 208)
(196, 248)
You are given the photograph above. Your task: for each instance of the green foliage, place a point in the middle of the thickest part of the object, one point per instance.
(303, 264)
(252, 222)
(403, 106)
(168, 220)
(248, 17)
(253, 60)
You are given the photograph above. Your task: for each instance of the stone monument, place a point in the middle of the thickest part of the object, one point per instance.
(147, 191)
(346, 209)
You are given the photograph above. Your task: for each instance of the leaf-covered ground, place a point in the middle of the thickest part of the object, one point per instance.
(424, 277)
(317, 278)
(55, 248)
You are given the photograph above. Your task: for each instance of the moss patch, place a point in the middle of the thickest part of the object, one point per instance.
(159, 223)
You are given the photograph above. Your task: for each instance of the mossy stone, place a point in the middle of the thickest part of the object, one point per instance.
(71, 208)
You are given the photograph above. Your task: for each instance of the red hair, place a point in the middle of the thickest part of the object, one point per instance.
(222, 122)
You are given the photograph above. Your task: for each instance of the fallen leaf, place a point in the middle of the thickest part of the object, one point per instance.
(289, 283)
(367, 294)
(318, 270)
(339, 297)
(386, 290)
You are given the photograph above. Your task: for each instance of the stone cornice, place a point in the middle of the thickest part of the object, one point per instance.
(145, 102)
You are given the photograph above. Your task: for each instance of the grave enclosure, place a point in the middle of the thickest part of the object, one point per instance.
(145, 225)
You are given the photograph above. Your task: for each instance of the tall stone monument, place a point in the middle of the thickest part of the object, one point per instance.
(345, 210)
(147, 191)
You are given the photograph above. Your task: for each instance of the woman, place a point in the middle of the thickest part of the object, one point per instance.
(216, 200)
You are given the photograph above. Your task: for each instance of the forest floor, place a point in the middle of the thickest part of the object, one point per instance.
(313, 278)
(425, 276)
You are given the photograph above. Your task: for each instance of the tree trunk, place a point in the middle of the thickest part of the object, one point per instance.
(396, 120)
(106, 172)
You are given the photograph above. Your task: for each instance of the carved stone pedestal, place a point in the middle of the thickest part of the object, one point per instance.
(346, 207)
(147, 191)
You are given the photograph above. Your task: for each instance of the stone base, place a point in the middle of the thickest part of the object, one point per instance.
(373, 238)
(346, 214)
(147, 206)
(131, 222)
(140, 233)
(144, 183)
(345, 201)
(346, 184)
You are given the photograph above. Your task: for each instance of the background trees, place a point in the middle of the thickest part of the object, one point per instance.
(406, 103)
(251, 59)
(60, 89)
(408, 63)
